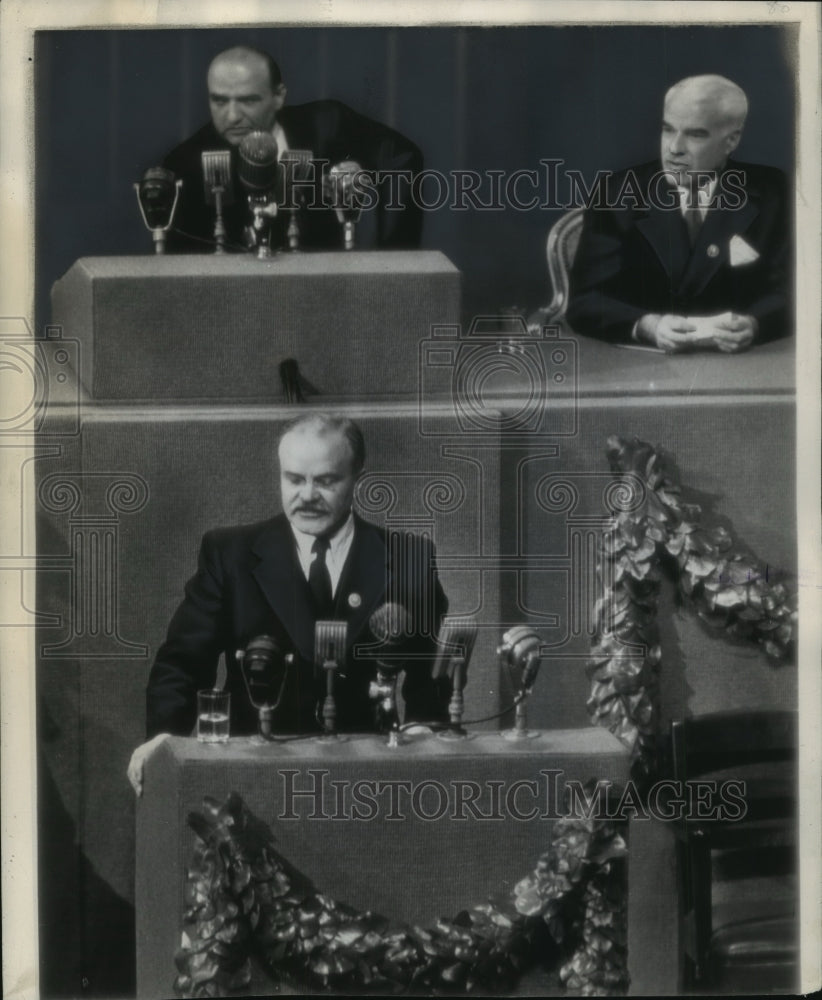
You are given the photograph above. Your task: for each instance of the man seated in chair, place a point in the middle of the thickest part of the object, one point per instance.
(692, 251)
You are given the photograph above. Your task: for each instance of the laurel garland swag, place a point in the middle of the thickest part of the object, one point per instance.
(728, 590)
(243, 898)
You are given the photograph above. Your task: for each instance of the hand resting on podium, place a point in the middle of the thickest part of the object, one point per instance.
(138, 760)
(727, 332)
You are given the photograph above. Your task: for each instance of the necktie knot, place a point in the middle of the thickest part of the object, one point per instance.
(320, 545)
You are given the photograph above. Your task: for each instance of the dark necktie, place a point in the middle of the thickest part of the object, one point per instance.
(693, 216)
(319, 579)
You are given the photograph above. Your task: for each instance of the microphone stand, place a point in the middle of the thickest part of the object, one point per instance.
(346, 201)
(216, 178)
(520, 647)
(265, 711)
(383, 690)
(296, 164)
(460, 636)
(263, 212)
(158, 233)
(329, 649)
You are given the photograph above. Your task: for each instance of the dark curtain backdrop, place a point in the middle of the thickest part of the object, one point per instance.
(110, 103)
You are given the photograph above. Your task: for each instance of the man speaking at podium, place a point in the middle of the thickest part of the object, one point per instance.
(691, 251)
(246, 94)
(318, 560)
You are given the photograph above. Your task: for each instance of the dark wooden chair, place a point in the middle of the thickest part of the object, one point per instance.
(738, 889)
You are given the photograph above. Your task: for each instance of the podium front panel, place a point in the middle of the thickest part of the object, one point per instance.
(197, 327)
(431, 860)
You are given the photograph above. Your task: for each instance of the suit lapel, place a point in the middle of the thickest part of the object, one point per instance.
(362, 588)
(666, 233)
(365, 578)
(282, 582)
(710, 251)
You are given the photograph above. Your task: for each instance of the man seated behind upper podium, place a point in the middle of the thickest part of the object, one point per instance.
(246, 93)
(696, 254)
(317, 560)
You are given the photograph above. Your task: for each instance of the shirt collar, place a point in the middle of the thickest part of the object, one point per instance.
(340, 538)
(705, 193)
(279, 136)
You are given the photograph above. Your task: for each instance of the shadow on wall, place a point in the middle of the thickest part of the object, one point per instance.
(86, 929)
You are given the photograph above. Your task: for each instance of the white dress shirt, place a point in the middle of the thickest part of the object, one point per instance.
(279, 136)
(339, 545)
(704, 194)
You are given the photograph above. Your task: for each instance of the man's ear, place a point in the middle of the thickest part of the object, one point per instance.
(279, 95)
(732, 140)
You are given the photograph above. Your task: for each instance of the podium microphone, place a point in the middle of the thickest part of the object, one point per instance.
(520, 649)
(390, 626)
(157, 195)
(346, 198)
(217, 186)
(264, 668)
(455, 644)
(259, 172)
(329, 653)
(296, 168)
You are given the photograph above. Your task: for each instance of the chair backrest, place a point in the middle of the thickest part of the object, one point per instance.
(560, 248)
(714, 742)
(756, 850)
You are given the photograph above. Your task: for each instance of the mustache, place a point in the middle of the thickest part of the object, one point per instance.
(309, 508)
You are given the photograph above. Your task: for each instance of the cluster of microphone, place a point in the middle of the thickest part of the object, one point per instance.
(266, 666)
(272, 182)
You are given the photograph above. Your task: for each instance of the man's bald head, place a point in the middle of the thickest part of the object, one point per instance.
(702, 124)
(249, 56)
(245, 92)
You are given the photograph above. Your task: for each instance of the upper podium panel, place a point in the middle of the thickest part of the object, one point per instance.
(185, 328)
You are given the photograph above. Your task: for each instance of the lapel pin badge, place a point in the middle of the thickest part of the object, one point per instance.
(354, 600)
(713, 250)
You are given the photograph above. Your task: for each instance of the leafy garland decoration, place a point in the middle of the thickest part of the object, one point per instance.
(244, 898)
(729, 591)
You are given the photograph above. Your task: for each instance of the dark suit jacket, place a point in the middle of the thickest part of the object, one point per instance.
(333, 132)
(249, 582)
(635, 260)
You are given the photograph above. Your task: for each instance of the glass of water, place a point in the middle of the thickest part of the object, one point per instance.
(213, 710)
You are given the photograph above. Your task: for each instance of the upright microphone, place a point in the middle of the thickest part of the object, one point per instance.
(217, 185)
(455, 644)
(264, 668)
(390, 625)
(157, 194)
(296, 167)
(258, 170)
(520, 649)
(329, 653)
(346, 197)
